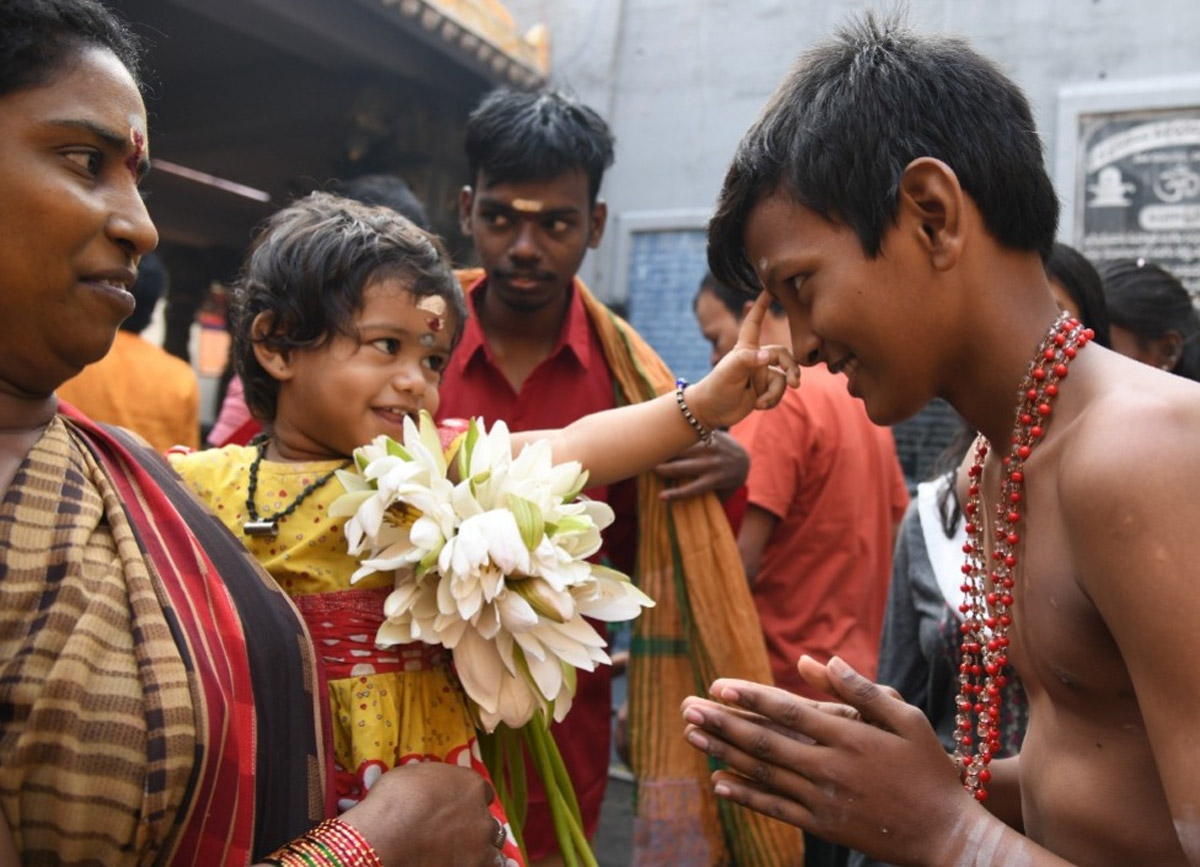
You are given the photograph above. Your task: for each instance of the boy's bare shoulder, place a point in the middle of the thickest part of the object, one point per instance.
(1129, 471)
(1138, 423)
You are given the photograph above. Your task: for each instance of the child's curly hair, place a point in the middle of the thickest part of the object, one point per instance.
(308, 269)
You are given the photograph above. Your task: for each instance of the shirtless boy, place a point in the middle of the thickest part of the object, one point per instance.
(893, 198)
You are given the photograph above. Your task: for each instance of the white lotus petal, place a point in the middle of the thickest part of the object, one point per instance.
(547, 675)
(486, 622)
(426, 535)
(480, 669)
(401, 599)
(579, 630)
(517, 703)
(516, 614)
(562, 706)
(362, 572)
(562, 646)
(505, 544)
(357, 492)
(504, 647)
(370, 515)
(530, 644)
(449, 631)
(564, 477)
(394, 632)
(491, 583)
(446, 602)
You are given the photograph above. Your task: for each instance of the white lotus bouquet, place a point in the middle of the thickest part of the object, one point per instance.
(492, 567)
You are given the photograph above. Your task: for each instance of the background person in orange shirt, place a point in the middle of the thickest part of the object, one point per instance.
(138, 385)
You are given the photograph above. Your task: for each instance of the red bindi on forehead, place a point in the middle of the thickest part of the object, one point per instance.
(134, 161)
(435, 310)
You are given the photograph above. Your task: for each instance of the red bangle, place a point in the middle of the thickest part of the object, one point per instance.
(333, 843)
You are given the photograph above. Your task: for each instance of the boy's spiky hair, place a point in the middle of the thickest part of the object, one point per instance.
(856, 110)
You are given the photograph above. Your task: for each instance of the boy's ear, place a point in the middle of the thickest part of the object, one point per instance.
(276, 362)
(932, 200)
(466, 197)
(597, 220)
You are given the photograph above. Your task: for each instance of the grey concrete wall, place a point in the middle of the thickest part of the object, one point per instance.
(680, 80)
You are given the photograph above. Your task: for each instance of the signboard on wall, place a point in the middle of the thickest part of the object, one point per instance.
(1128, 172)
(1138, 189)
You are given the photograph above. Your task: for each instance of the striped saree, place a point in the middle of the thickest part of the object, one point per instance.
(157, 694)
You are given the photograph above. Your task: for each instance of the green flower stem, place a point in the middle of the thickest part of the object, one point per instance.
(514, 757)
(568, 825)
(534, 731)
(504, 758)
(562, 780)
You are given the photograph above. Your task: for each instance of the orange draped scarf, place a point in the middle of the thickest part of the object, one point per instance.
(704, 626)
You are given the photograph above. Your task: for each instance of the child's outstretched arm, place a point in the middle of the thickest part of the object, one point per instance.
(622, 442)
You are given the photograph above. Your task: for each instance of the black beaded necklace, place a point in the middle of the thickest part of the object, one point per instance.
(268, 525)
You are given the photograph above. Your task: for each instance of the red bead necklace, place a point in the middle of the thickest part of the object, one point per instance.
(987, 607)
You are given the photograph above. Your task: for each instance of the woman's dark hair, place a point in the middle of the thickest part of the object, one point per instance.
(38, 39)
(308, 269)
(1071, 269)
(1150, 301)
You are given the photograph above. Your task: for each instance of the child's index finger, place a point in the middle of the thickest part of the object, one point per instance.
(750, 333)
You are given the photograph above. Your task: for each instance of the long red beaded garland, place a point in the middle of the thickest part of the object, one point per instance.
(987, 608)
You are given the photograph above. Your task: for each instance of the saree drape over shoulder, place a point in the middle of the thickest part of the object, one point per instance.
(158, 694)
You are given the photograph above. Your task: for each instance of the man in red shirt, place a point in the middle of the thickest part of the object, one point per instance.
(539, 352)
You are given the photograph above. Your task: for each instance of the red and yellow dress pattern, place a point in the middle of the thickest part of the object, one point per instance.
(389, 707)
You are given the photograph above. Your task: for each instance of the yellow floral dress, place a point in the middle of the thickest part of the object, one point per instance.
(389, 707)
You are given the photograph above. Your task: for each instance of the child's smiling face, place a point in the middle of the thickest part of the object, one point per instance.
(364, 383)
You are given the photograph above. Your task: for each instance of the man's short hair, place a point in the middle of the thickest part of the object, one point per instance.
(516, 136)
(856, 110)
